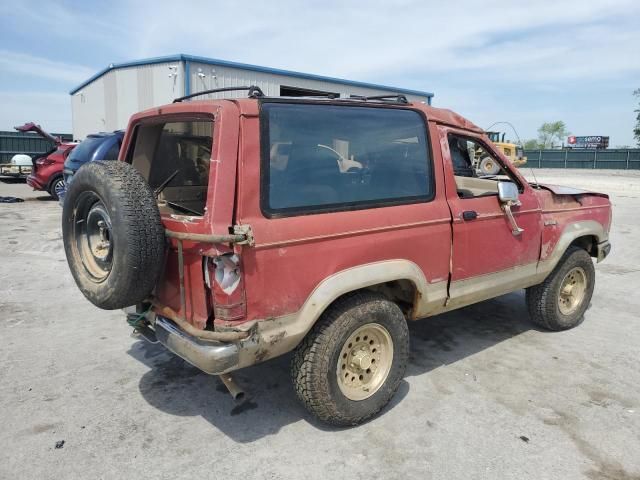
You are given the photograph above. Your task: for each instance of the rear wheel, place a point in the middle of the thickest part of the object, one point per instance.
(559, 303)
(56, 187)
(113, 235)
(350, 365)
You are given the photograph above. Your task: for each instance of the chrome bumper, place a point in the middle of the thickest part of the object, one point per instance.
(603, 250)
(211, 358)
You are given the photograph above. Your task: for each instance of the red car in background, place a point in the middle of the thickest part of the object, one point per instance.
(46, 174)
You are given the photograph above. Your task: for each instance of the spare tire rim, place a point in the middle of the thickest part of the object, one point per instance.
(572, 291)
(93, 237)
(365, 361)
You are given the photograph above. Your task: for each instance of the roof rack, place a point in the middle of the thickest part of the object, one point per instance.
(254, 92)
(397, 97)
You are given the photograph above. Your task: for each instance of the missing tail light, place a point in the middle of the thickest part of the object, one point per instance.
(224, 278)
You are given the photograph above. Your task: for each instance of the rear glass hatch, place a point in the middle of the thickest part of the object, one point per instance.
(174, 156)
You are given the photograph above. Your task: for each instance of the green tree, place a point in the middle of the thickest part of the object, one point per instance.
(531, 144)
(636, 129)
(552, 132)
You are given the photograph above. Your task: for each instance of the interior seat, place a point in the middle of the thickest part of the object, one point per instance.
(312, 177)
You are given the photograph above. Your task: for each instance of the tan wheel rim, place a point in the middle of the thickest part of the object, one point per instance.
(572, 291)
(365, 361)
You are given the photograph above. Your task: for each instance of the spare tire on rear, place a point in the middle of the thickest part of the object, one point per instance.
(113, 235)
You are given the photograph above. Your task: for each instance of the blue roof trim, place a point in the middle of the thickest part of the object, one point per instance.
(246, 66)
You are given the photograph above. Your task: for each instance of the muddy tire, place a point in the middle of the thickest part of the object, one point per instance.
(113, 236)
(488, 166)
(559, 303)
(350, 364)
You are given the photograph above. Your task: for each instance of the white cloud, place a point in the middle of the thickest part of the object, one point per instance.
(368, 40)
(55, 19)
(51, 110)
(22, 65)
(545, 53)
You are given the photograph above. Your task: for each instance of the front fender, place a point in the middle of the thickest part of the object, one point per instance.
(552, 253)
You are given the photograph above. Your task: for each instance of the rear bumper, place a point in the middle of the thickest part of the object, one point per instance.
(34, 182)
(212, 358)
(603, 250)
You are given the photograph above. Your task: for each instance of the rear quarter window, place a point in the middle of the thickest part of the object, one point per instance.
(321, 158)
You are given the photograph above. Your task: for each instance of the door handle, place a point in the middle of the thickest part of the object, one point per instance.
(469, 215)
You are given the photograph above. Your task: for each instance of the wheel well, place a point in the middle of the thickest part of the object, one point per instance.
(588, 243)
(402, 292)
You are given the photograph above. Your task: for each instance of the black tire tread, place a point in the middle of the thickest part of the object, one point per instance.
(541, 299)
(139, 218)
(310, 361)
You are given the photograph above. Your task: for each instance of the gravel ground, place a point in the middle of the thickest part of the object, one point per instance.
(486, 394)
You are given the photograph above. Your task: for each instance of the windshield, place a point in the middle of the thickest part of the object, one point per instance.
(85, 149)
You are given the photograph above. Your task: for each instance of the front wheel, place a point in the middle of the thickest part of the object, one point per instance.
(560, 301)
(350, 364)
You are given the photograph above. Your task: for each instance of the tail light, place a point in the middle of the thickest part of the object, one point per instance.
(45, 161)
(224, 278)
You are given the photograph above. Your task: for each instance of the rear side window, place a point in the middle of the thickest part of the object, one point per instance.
(319, 158)
(174, 158)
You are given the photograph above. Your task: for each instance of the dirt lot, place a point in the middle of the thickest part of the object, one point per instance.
(486, 395)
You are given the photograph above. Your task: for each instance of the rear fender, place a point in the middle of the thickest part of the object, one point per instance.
(276, 336)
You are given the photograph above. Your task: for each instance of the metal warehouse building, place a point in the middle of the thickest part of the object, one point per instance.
(107, 100)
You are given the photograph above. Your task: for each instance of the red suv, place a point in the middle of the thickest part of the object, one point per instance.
(239, 230)
(47, 169)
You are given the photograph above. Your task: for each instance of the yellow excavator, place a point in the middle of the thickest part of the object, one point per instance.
(515, 153)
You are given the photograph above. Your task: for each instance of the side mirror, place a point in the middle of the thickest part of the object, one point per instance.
(508, 192)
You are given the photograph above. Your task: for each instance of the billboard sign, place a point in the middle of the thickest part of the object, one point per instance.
(594, 141)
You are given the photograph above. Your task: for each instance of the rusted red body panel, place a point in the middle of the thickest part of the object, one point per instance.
(475, 243)
(560, 211)
(292, 255)
(295, 254)
(220, 193)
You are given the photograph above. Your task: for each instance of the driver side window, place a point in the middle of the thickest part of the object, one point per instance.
(476, 169)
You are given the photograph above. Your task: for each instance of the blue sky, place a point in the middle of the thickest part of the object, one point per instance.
(523, 62)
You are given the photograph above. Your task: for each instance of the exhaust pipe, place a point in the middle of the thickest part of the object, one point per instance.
(236, 392)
